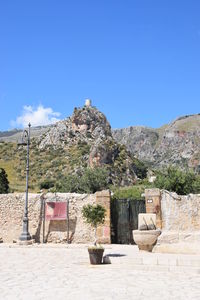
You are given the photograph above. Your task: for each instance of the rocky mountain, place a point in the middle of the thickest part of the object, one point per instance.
(176, 143)
(88, 128)
(14, 135)
(68, 147)
(85, 139)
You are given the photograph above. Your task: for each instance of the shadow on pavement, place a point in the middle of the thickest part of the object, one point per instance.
(115, 255)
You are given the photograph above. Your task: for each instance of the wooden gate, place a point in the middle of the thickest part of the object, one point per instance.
(124, 219)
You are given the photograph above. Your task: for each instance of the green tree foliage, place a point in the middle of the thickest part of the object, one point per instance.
(94, 180)
(47, 184)
(91, 181)
(94, 215)
(178, 181)
(140, 168)
(69, 184)
(130, 192)
(133, 192)
(4, 183)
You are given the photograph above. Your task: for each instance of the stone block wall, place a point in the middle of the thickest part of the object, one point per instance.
(174, 212)
(79, 231)
(12, 209)
(180, 213)
(179, 219)
(11, 215)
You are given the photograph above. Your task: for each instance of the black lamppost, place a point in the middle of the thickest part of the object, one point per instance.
(25, 235)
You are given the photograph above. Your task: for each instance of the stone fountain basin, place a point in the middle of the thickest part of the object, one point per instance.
(146, 239)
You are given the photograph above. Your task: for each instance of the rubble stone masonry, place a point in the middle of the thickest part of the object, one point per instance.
(178, 217)
(12, 210)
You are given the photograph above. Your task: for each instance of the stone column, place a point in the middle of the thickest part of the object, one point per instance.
(153, 204)
(104, 231)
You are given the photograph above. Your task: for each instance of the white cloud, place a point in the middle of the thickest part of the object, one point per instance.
(37, 117)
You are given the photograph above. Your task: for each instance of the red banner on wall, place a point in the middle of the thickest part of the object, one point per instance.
(56, 211)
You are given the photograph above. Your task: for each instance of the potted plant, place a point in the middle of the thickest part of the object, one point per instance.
(94, 215)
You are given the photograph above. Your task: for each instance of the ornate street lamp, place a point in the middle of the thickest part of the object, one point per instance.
(25, 235)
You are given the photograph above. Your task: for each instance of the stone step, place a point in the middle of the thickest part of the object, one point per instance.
(166, 262)
(149, 261)
(162, 268)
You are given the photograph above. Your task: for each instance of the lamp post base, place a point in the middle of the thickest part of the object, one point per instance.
(25, 243)
(25, 236)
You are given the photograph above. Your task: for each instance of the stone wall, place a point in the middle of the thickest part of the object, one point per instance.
(178, 217)
(11, 215)
(180, 213)
(174, 212)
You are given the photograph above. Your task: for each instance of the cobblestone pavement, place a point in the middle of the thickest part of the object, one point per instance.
(64, 272)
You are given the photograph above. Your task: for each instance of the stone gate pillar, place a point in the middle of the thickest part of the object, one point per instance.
(153, 204)
(104, 231)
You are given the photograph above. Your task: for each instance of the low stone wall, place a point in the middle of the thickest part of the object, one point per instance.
(178, 217)
(11, 216)
(180, 213)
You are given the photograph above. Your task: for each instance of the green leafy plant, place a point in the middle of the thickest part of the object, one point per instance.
(175, 180)
(94, 215)
(140, 168)
(133, 192)
(69, 184)
(90, 181)
(94, 180)
(4, 183)
(47, 184)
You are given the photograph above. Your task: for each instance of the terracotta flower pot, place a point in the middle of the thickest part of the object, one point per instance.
(146, 239)
(96, 255)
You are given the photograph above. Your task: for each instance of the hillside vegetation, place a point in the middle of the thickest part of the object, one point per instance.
(63, 153)
(82, 142)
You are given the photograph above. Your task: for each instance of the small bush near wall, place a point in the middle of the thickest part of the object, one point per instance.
(178, 181)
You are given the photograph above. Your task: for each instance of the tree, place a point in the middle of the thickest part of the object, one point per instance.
(47, 184)
(4, 183)
(69, 184)
(178, 181)
(90, 181)
(94, 215)
(94, 180)
(140, 168)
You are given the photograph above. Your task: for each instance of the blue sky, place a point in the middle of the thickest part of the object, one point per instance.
(138, 60)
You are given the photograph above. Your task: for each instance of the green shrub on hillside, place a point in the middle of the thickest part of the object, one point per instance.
(175, 180)
(47, 184)
(90, 181)
(4, 183)
(68, 184)
(94, 180)
(140, 168)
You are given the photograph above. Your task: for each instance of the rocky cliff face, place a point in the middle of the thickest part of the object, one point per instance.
(88, 128)
(86, 124)
(85, 140)
(139, 140)
(176, 143)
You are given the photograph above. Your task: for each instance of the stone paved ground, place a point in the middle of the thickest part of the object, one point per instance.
(64, 272)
